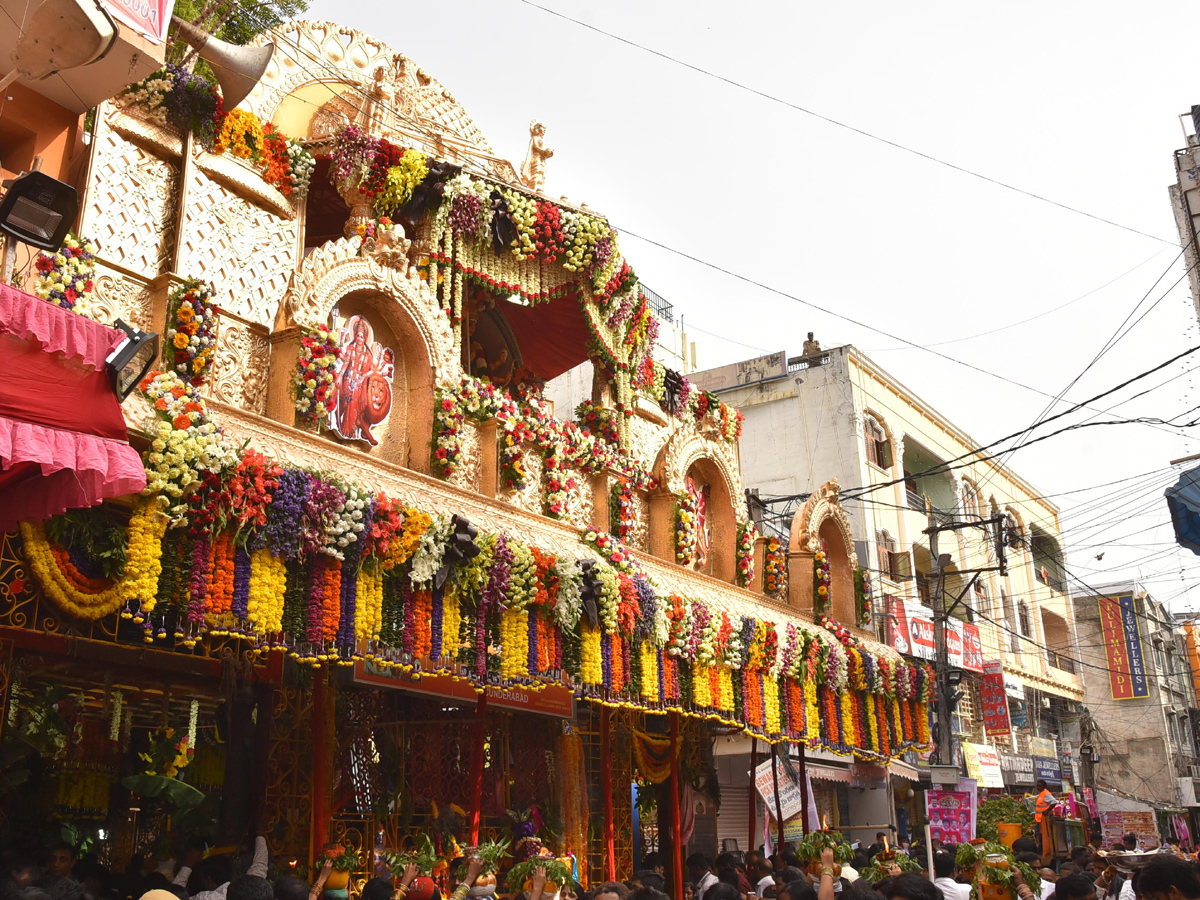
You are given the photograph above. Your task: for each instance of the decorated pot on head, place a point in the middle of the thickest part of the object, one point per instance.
(338, 882)
(485, 885)
(422, 888)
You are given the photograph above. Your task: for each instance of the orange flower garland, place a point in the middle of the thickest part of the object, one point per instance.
(671, 678)
(754, 696)
(331, 609)
(422, 617)
(618, 663)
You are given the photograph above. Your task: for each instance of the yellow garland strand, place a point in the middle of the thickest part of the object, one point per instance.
(812, 712)
(451, 623)
(138, 587)
(701, 686)
(268, 581)
(589, 656)
(771, 701)
(649, 672)
(725, 701)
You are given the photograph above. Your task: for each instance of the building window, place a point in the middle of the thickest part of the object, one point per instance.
(891, 563)
(879, 448)
(970, 496)
(983, 605)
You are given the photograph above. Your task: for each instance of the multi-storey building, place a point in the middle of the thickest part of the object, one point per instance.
(1140, 700)
(1185, 200)
(838, 414)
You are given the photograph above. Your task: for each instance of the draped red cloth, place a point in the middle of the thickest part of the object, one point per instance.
(63, 443)
(553, 337)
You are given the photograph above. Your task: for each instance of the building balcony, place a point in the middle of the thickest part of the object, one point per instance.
(1062, 661)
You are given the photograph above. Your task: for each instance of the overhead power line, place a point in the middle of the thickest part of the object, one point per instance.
(847, 126)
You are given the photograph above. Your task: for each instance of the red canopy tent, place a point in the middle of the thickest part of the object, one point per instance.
(63, 443)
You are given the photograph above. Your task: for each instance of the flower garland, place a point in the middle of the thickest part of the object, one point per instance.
(746, 538)
(66, 278)
(181, 100)
(685, 529)
(598, 420)
(688, 402)
(312, 382)
(331, 572)
(774, 567)
(822, 582)
(621, 511)
(862, 597)
(191, 331)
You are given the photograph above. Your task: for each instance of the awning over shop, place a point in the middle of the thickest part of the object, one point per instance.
(904, 770)
(63, 443)
(829, 773)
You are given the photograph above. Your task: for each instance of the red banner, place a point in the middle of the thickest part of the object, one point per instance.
(1116, 649)
(994, 699)
(972, 648)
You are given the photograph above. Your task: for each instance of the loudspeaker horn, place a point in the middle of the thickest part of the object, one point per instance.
(238, 68)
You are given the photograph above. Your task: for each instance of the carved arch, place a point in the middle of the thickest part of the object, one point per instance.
(335, 270)
(824, 505)
(311, 52)
(822, 518)
(683, 450)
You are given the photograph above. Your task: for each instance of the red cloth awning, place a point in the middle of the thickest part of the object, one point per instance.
(63, 443)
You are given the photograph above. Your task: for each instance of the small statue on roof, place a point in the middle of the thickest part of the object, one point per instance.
(533, 169)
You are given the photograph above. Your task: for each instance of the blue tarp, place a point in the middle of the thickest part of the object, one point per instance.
(1183, 500)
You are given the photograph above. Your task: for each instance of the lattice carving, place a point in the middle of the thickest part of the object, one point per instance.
(240, 366)
(246, 252)
(684, 448)
(131, 204)
(641, 521)
(467, 475)
(532, 497)
(646, 440)
(119, 297)
(580, 501)
(351, 57)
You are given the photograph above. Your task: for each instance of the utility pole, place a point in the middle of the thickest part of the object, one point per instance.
(945, 732)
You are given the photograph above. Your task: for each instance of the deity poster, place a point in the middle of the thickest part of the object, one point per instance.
(362, 382)
(950, 815)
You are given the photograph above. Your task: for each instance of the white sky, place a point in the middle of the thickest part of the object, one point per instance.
(1075, 102)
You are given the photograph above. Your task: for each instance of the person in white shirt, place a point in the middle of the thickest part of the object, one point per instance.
(764, 873)
(944, 868)
(700, 868)
(216, 872)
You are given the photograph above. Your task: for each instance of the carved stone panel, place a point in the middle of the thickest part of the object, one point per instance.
(532, 497)
(246, 252)
(116, 296)
(130, 205)
(240, 366)
(580, 501)
(467, 475)
(640, 539)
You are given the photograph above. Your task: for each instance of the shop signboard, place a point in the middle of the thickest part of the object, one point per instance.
(1018, 713)
(950, 815)
(1014, 686)
(791, 798)
(1043, 746)
(983, 764)
(1017, 769)
(148, 18)
(793, 830)
(1123, 648)
(1118, 824)
(911, 631)
(551, 700)
(1045, 768)
(994, 699)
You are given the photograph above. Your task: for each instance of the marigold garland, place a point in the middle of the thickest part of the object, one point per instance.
(774, 574)
(191, 334)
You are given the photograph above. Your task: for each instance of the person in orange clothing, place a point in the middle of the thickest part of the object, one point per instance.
(1041, 814)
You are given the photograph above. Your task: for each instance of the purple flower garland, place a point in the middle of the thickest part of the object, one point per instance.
(533, 641)
(321, 509)
(648, 603)
(240, 605)
(436, 623)
(492, 598)
(606, 660)
(198, 582)
(282, 533)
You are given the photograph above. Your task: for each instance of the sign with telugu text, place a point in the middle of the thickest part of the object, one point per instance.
(552, 700)
(1046, 769)
(791, 798)
(1123, 648)
(983, 764)
(149, 18)
(994, 699)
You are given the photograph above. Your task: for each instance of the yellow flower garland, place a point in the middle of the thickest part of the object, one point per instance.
(591, 670)
(850, 735)
(268, 581)
(771, 702)
(138, 587)
(725, 678)
(514, 635)
(812, 712)
(872, 724)
(368, 605)
(701, 686)
(65, 595)
(451, 623)
(649, 672)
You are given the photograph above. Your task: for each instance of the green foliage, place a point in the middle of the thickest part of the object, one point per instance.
(490, 853)
(878, 870)
(235, 21)
(1000, 873)
(98, 534)
(1002, 809)
(425, 857)
(815, 841)
(556, 872)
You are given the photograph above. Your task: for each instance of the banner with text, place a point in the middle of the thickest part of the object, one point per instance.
(910, 631)
(949, 814)
(994, 699)
(1123, 648)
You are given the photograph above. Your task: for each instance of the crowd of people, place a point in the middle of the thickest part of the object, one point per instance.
(242, 874)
